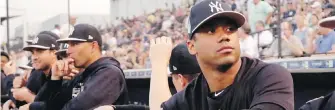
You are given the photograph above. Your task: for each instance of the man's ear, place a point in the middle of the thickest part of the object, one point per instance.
(95, 46)
(191, 47)
(181, 79)
(53, 51)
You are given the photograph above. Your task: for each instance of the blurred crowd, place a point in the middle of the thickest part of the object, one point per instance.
(293, 24)
(128, 40)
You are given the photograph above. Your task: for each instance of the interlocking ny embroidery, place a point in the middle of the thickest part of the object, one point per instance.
(217, 6)
(35, 40)
(66, 46)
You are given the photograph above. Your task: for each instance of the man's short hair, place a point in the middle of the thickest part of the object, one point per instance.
(5, 54)
(190, 77)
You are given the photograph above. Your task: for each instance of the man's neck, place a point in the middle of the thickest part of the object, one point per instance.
(93, 59)
(218, 80)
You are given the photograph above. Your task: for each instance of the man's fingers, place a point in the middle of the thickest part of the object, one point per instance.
(12, 105)
(26, 76)
(9, 63)
(17, 83)
(66, 67)
(14, 90)
(72, 74)
(163, 39)
(169, 40)
(152, 42)
(158, 40)
(60, 66)
(73, 71)
(67, 77)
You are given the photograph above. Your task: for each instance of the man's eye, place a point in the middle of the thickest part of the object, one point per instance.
(211, 31)
(231, 29)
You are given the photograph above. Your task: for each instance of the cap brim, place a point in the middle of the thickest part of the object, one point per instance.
(70, 39)
(60, 51)
(25, 67)
(238, 17)
(29, 47)
(328, 22)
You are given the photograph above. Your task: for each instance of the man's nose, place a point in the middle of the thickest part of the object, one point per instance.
(223, 36)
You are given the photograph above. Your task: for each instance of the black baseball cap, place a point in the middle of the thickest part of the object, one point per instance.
(29, 42)
(43, 41)
(207, 10)
(182, 62)
(62, 49)
(50, 33)
(83, 33)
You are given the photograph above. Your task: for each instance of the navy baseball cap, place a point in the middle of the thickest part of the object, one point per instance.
(29, 42)
(62, 49)
(50, 33)
(43, 41)
(207, 10)
(182, 62)
(83, 33)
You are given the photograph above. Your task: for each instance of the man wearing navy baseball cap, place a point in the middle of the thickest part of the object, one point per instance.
(102, 82)
(228, 82)
(43, 48)
(182, 65)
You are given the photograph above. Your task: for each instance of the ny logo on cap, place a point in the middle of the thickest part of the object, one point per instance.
(66, 46)
(35, 40)
(90, 37)
(217, 6)
(174, 68)
(71, 31)
(52, 45)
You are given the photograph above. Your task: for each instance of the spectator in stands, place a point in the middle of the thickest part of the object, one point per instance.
(259, 10)
(302, 30)
(57, 30)
(323, 43)
(263, 37)
(314, 22)
(290, 44)
(290, 10)
(247, 44)
(317, 9)
(66, 29)
(133, 60)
